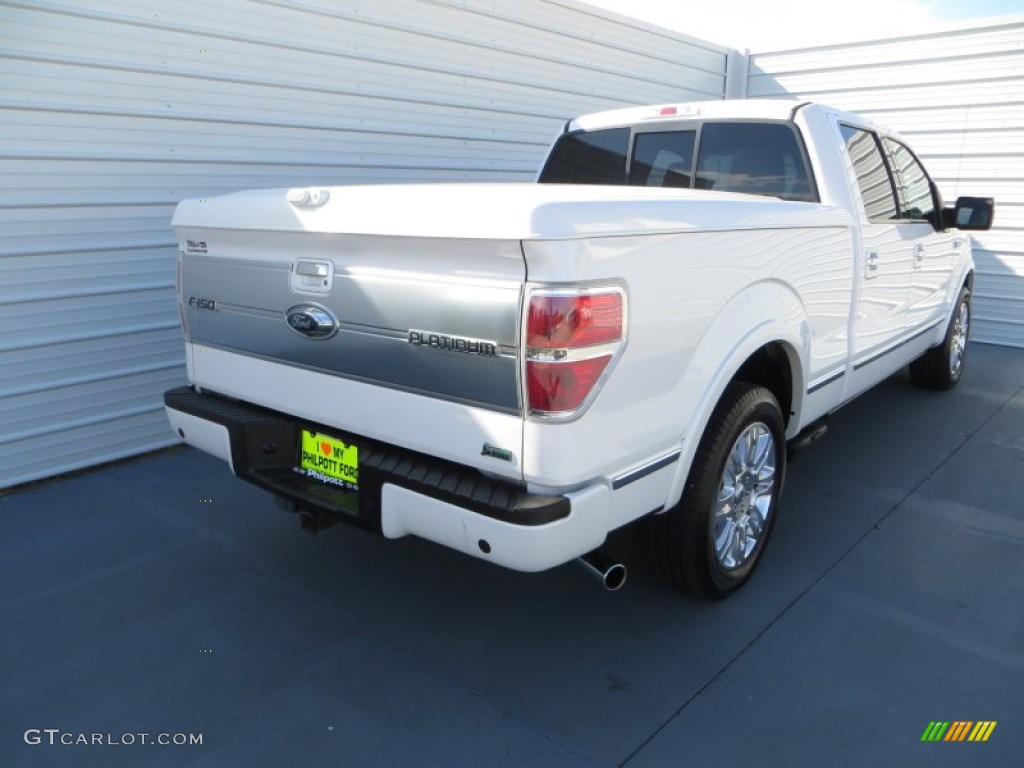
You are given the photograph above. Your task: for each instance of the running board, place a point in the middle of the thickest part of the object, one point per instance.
(811, 434)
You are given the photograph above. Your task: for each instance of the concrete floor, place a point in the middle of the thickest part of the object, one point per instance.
(162, 596)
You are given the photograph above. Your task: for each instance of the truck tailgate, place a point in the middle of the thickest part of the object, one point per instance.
(430, 316)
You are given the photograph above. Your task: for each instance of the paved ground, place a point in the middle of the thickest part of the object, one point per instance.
(163, 596)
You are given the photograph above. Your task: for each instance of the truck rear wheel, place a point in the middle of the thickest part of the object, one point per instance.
(941, 367)
(711, 542)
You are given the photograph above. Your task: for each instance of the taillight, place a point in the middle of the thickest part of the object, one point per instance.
(571, 337)
(178, 283)
(579, 320)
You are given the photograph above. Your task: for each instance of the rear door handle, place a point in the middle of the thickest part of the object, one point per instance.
(870, 264)
(918, 255)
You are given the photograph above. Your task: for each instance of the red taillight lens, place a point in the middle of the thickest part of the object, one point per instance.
(571, 338)
(178, 283)
(555, 387)
(558, 322)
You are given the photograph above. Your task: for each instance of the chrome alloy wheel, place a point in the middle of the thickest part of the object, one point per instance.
(745, 496)
(958, 340)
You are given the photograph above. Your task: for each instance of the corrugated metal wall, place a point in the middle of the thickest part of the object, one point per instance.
(958, 97)
(111, 112)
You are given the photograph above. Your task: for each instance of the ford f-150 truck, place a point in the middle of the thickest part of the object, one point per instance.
(515, 370)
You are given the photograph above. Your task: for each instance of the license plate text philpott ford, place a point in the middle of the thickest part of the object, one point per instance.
(329, 460)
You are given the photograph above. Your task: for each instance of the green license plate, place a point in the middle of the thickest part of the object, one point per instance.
(329, 460)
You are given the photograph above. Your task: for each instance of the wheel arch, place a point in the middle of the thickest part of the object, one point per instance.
(774, 366)
(965, 280)
(768, 352)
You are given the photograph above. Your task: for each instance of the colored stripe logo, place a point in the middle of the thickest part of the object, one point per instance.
(959, 730)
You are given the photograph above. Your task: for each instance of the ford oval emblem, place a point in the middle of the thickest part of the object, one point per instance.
(312, 321)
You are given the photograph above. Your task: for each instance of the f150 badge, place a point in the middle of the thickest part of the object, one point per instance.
(198, 302)
(312, 321)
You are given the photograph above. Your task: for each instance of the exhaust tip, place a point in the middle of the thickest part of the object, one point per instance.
(615, 577)
(611, 573)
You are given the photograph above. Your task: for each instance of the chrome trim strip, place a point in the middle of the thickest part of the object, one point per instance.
(825, 382)
(878, 355)
(642, 472)
(496, 407)
(575, 354)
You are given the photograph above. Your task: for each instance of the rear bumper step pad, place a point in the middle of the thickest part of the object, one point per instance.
(264, 449)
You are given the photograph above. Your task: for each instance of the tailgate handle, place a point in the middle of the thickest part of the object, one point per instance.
(312, 277)
(311, 268)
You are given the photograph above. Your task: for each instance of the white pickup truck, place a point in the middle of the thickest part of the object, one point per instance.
(515, 370)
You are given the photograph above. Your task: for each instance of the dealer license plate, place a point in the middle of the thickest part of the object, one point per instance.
(329, 460)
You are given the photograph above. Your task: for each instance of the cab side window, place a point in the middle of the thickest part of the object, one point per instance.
(912, 183)
(873, 177)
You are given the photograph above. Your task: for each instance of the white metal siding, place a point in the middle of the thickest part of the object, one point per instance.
(111, 112)
(958, 97)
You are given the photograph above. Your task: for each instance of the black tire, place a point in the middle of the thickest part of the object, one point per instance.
(942, 366)
(682, 540)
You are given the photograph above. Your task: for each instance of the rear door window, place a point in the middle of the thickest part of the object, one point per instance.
(876, 184)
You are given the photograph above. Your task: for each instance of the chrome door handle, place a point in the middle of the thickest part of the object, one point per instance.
(870, 264)
(918, 255)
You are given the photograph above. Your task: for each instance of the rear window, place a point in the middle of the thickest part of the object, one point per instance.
(755, 158)
(750, 157)
(588, 157)
(663, 159)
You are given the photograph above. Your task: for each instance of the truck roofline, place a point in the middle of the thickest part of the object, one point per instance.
(765, 109)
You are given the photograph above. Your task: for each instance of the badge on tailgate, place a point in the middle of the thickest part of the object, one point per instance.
(312, 321)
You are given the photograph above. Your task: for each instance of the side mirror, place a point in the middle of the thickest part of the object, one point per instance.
(970, 213)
